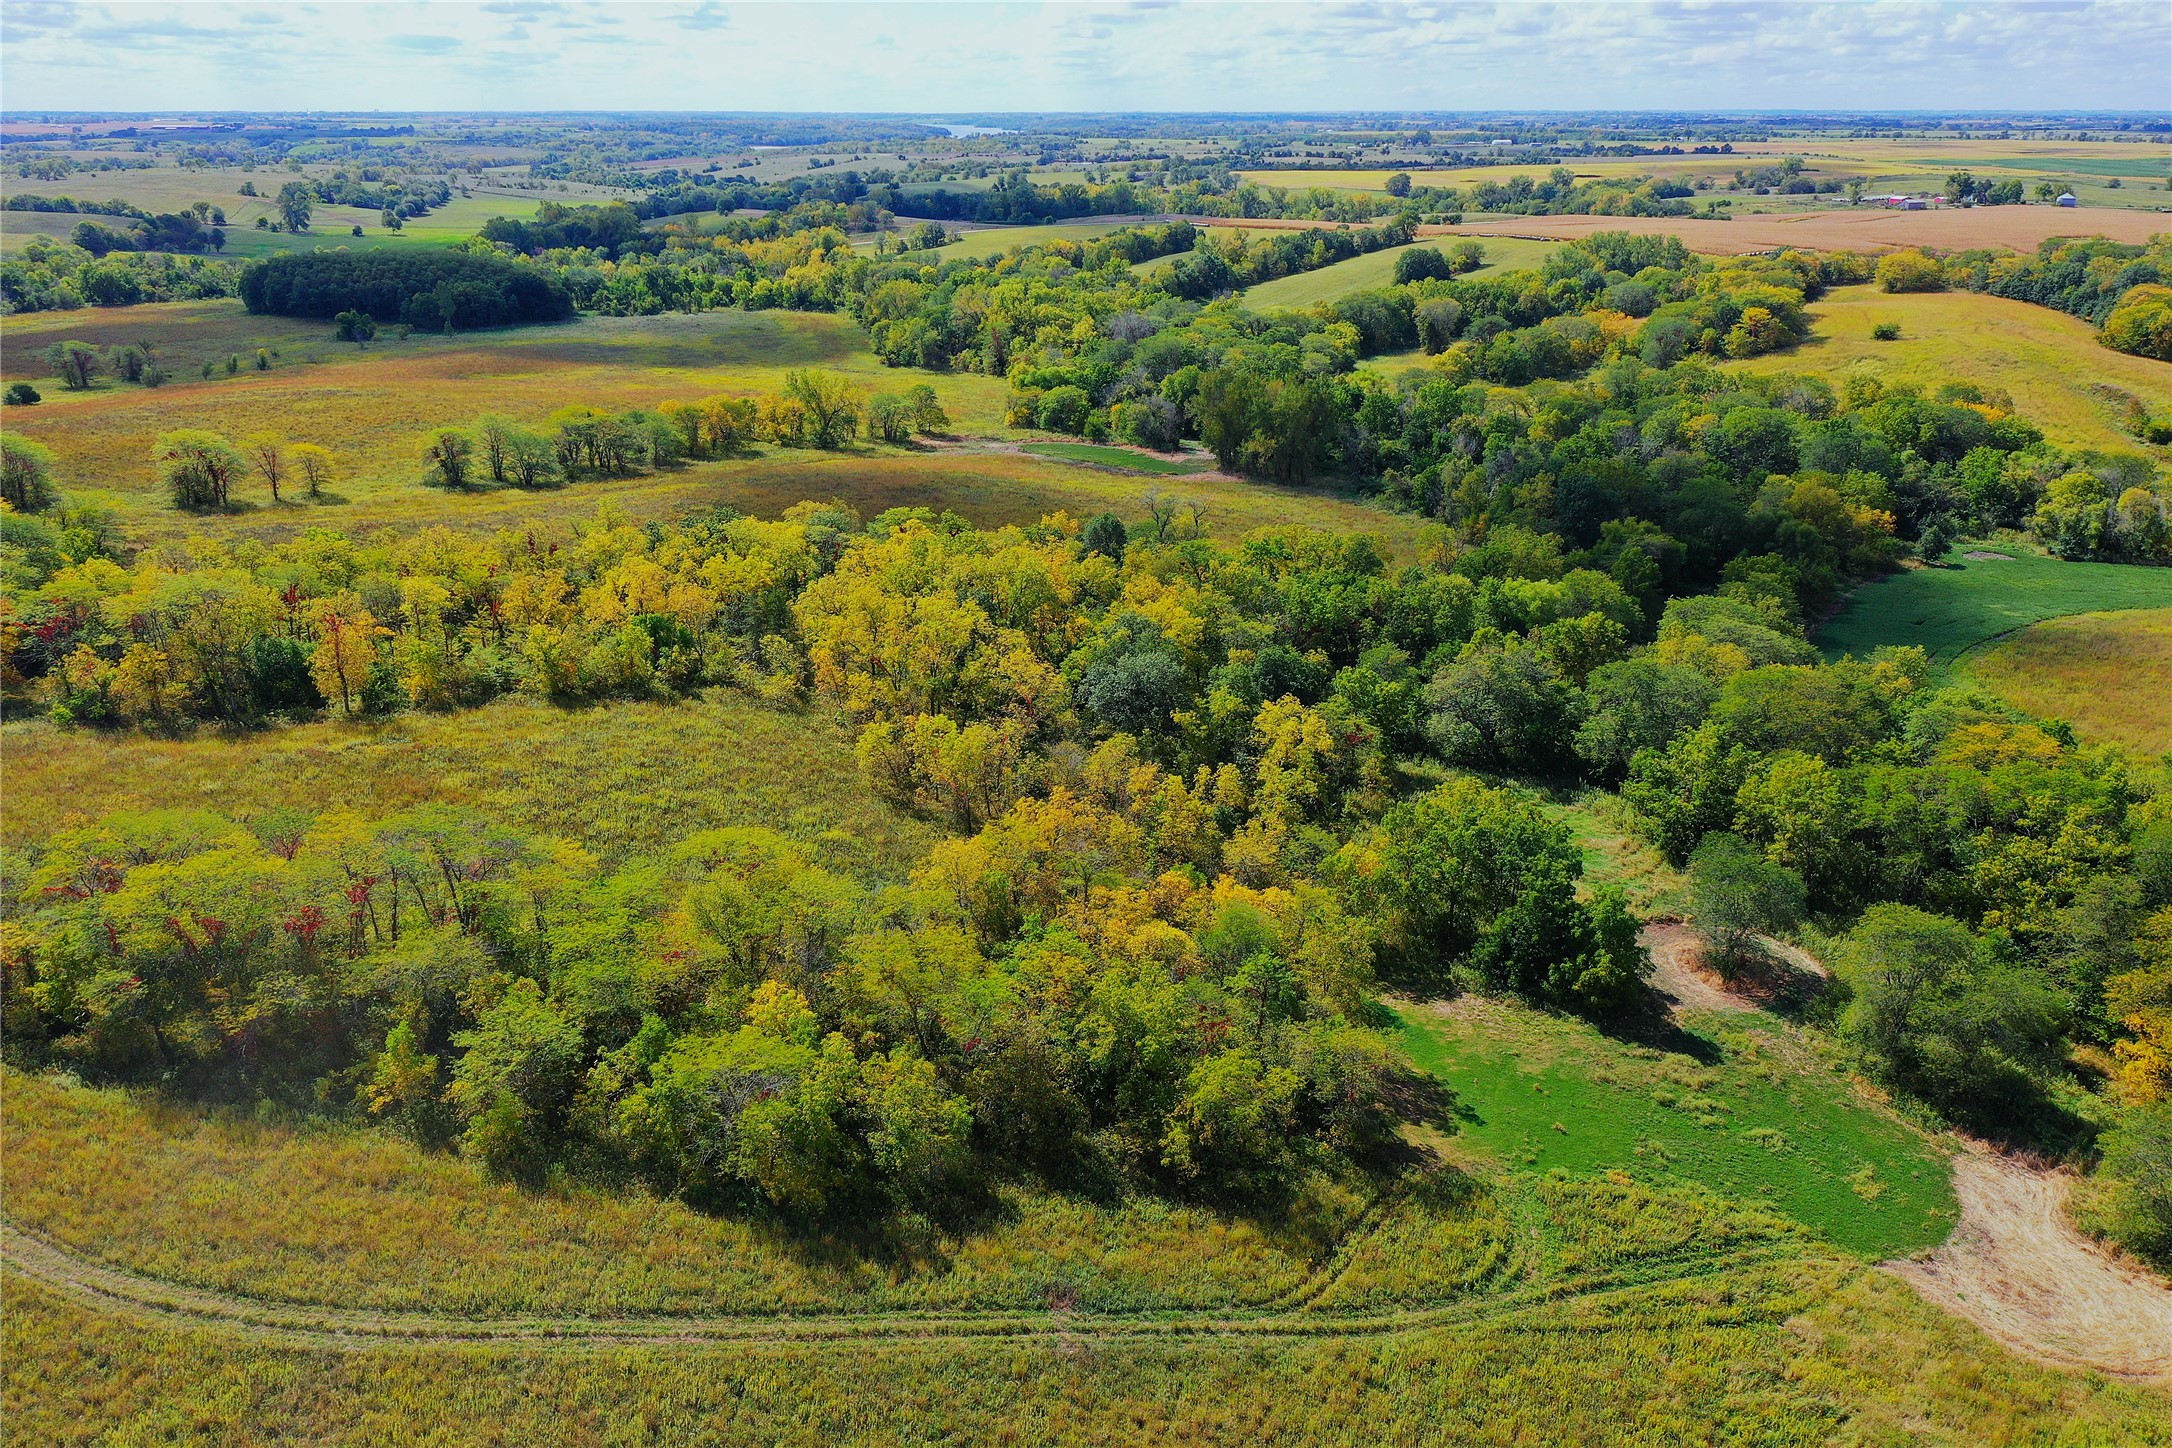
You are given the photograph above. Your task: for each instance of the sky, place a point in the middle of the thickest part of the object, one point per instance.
(932, 57)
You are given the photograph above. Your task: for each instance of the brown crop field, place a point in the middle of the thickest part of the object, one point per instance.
(1866, 228)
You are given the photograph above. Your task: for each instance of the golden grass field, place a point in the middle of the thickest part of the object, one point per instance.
(2049, 362)
(624, 780)
(375, 408)
(2107, 674)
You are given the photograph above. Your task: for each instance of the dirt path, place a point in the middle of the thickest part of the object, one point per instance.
(2017, 1269)
(1679, 973)
(168, 1304)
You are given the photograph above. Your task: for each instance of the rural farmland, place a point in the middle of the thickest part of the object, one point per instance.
(698, 755)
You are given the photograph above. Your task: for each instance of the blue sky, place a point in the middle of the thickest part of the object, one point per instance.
(929, 56)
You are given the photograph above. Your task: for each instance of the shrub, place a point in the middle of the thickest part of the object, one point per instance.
(1886, 332)
(1910, 271)
(26, 474)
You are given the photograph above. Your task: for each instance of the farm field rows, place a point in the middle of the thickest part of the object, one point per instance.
(1954, 609)
(2107, 674)
(1866, 228)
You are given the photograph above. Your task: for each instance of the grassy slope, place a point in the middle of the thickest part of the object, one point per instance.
(1116, 457)
(624, 780)
(1752, 1115)
(375, 408)
(2104, 673)
(1953, 609)
(2049, 362)
(1377, 269)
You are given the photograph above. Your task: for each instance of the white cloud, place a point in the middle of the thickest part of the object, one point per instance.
(934, 55)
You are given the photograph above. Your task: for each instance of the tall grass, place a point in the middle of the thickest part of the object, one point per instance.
(626, 779)
(2104, 673)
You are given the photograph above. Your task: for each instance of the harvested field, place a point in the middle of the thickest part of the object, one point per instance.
(2020, 1272)
(1856, 229)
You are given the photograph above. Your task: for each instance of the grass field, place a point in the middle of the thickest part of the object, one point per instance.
(1117, 457)
(624, 780)
(1952, 610)
(172, 188)
(996, 240)
(1377, 269)
(2107, 674)
(375, 408)
(2051, 364)
(1753, 1116)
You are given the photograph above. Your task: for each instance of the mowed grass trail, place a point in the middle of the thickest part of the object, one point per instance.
(1377, 269)
(1950, 610)
(1753, 1115)
(2107, 674)
(2051, 364)
(375, 409)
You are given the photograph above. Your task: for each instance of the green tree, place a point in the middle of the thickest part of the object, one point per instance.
(515, 1079)
(297, 201)
(448, 452)
(1941, 1016)
(831, 407)
(199, 467)
(26, 474)
(1736, 894)
(76, 364)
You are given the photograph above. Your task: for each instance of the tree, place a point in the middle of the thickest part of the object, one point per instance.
(76, 364)
(267, 453)
(829, 405)
(1399, 184)
(448, 451)
(889, 419)
(1940, 1016)
(316, 465)
(1105, 534)
(22, 394)
(356, 327)
(390, 219)
(1737, 894)
(494, 436)
(515, 1080)
(297, 200)
(929, 419)
(347, 635)
(26, 474)
(199, 467)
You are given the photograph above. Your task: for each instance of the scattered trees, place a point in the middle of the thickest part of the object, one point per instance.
(200, 468)
(26, 474)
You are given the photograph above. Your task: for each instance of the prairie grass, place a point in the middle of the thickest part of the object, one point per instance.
(1954, 609)
(1617, 853)
(2107, 674)
(2048, 362)
(1776, 1356)
(624, 780)
(360, 1218)
(374, 408)
(1732, 1104)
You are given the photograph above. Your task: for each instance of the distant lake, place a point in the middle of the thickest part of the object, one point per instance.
(974, 130)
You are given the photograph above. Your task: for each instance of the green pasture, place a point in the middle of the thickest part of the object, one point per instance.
(1377, 269)
(1115, 457)
(1751, 1114)
(1954, 609)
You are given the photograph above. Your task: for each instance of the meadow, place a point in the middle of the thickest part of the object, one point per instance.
(1377, 269)
(1835, 226)
(2049, 363)
(1118, 457)
(167, 188)
(1814, 1355)
(2104, 673)
(1732, 1102)
(1960, 606)
(624, 781)
(374, 408)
